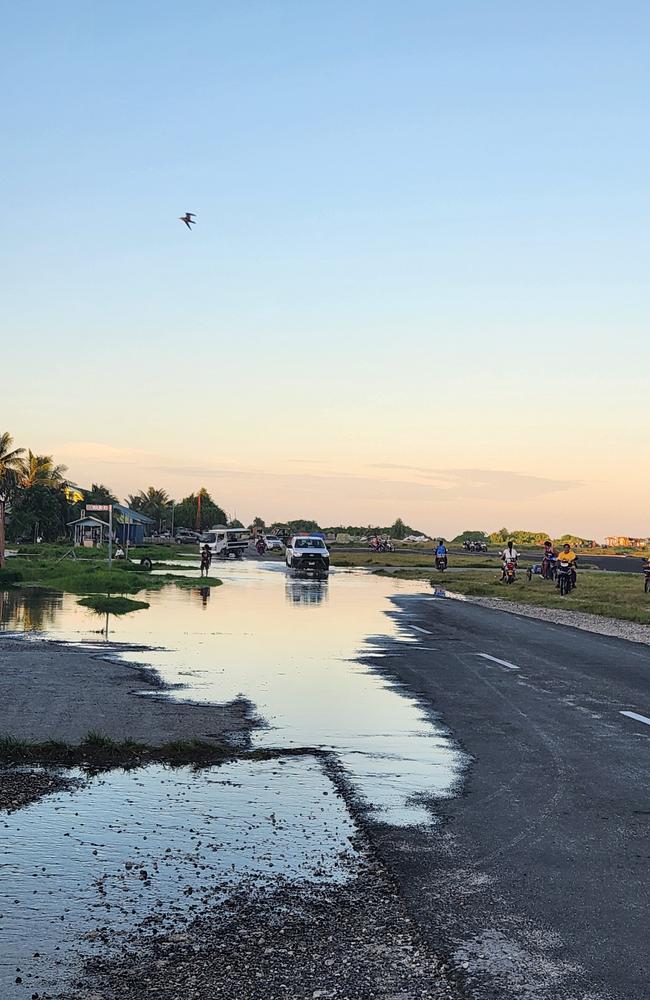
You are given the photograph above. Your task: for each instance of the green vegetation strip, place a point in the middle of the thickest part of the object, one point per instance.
(422, 560)
(612, 595)
(77, 576)
(99, 752)
(112, 605)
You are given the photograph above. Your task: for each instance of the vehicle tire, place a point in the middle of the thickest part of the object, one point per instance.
(146, 563)
(647, 584)
(563, 585)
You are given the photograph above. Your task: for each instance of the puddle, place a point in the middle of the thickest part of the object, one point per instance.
(289, 646)
(157, 844)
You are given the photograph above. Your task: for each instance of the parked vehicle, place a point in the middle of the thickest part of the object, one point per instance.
(308, 554)
(475, 546)
(225, 542)
(184, 536)
(564, 575)
(510, 571)
(273, 542)
(382, 545)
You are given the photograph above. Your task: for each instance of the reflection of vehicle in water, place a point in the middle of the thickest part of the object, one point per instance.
(226, 542)
(308, 592)
(308, 554)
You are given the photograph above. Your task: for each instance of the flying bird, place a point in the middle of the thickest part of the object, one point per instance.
(188, 219)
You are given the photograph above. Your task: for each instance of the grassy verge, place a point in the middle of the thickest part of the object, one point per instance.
(98, 752)
(94, 577)
(112, 605)
(613, 595)
(409, 559)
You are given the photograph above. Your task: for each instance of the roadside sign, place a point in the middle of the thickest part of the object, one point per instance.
(98, 506)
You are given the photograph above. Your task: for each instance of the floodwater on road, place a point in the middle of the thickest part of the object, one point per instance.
(289, 646)
(157, 845)
(148, 847)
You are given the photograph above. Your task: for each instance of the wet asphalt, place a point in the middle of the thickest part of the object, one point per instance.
(536, 879)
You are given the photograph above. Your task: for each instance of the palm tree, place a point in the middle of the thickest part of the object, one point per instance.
(12, 467)
(152, 502)
(40, 470)
(99, 493)
(134, 501)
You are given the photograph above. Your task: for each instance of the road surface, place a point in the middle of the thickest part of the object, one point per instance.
(536, 880)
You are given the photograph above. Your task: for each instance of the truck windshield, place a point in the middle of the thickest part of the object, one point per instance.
(309, 543)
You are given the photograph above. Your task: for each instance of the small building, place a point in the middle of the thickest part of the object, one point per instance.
(130, 525)
(89, 532)
(626, 542)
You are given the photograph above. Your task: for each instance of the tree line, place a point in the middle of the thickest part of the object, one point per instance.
(518, 536)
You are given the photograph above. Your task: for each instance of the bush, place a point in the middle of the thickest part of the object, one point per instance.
(10, 576)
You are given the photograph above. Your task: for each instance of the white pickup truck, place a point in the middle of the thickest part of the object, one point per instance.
(225, 542)
(308, 554)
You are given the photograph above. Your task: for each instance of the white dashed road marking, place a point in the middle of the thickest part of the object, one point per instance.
(502, 663)
(418, 629)
(639, 718)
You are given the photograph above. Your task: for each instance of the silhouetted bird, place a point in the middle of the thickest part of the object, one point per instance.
(188, 219)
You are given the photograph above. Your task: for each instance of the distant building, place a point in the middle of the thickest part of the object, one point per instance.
(626, 542)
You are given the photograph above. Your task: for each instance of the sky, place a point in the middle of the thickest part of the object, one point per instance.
(417, 286)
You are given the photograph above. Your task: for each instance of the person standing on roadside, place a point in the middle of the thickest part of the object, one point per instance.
(206, 560)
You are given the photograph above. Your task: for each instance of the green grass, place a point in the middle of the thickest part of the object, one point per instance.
(613, 595)
(99, 752)
(82, 577)
(112, 605)
(410, 559)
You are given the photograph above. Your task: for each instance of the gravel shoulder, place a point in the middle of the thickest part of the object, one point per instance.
(53, 692)
(350, 942)
(20, 787)
(615, 627)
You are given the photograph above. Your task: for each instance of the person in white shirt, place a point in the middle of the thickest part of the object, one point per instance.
(509, 554)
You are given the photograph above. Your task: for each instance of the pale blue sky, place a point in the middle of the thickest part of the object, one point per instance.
(396, 189)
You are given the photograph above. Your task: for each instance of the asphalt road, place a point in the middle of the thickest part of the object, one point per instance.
(536, 880)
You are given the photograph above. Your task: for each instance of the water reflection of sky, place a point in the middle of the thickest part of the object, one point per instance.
(159, 845)
(289, 646)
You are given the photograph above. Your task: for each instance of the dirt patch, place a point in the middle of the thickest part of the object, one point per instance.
(52, 692)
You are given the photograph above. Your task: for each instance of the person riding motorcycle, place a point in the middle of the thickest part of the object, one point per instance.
(441, 552)
(509, 554)
(567, 555)
(549, 559)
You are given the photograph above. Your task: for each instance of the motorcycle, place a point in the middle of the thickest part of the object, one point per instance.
(260, 545)
(510, 571)
(564, 577)
(549, 566)
(441, 563)
(646, 571)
